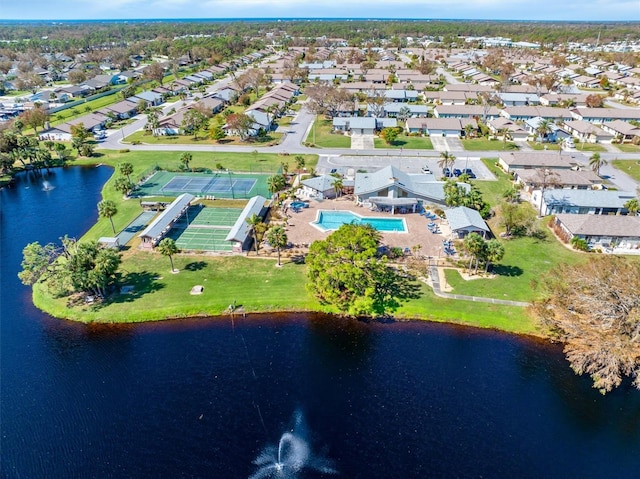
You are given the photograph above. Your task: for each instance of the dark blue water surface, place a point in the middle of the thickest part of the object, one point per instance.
(203, 398)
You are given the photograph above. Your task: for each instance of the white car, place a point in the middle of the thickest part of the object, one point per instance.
(568, 143)
(426, 170)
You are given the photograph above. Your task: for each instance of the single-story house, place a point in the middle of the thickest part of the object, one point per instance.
(587, 132)
(465, 111)
(558, 178)
(363, 125)
(604, 115)
(392, 109)
(526, 160)
(123, 109)
(555, 134)
(498, 125)
(585, 202)
(452, 127)
(601, 231)
(524, 113)
(463, 221)
(519, 99)
(152, 98)
(621, 129)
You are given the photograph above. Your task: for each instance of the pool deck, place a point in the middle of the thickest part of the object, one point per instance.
(300, 231)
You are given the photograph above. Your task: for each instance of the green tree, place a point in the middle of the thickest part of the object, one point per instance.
(389, 135)
(592, 307)
(475, 245)
(446, 160)
(108, 209)
(338, 185)
(61, 151)
(123, 185)
(633, 206)
(494, 252)
(193, 121)
(276, 183)
(36, 261)
(185, 159)
(168, 247)
(596, 162)
(344, 271)
(126, 169)
(277, 238)
(254, 221)
(544, 128)
(217, 133)
(299, 159)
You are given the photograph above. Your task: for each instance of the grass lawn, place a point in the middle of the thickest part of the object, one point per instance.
(543, 146)
(85, 108)
(525, 260)
(483, 144)
(406, 142)
(491, 190)
(321, 132)
(590, 147)
(627, 148)
(146, 138)
(630, 167)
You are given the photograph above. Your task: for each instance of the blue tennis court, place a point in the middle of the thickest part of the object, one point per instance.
(224, 185)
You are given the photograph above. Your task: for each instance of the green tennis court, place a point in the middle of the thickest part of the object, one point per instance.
(221, 184)
(204, 229)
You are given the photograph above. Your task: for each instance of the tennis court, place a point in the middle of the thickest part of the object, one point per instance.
(204, 229)
(220, 184)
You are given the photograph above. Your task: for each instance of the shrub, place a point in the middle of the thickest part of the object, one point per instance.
(124, 150)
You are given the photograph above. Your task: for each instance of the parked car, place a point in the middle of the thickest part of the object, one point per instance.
(469, 172)
(426, 170)
(568, 143)
(457, 172)
(446, 172)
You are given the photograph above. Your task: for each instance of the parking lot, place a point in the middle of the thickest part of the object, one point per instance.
(348, 165)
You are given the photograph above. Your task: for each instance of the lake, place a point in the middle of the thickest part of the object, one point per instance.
(301, 395)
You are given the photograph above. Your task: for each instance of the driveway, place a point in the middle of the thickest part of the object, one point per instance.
(439, 142)
(362, 142)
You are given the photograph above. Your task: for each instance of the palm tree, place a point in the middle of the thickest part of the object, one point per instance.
(108, 209)
(446, 160)
(277, 237)
(337, 184)
(276, 183)
(168, 247)
(633, 206)
(254, 220)
(126, 169)
(476, 247)
(468, 129)
(544, 128)
(185, 159)
(595, 162)
(494, 252)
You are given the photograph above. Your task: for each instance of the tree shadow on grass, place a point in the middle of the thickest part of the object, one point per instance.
(507, 270)
(136, 284)
(195, 266)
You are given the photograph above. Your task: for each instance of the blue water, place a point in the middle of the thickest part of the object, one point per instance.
(204, 398)
(332, 220)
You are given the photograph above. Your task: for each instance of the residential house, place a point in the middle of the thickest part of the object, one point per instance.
(526, 160)
(519, 99)
(321, 187)
(584, 202)
(625, 132)
(499, 126)
(391, 110)
(616, 234)
(523, 113)
(604, 115)
(452, 127)
(587, 132)
(363, 125)
(532, 180)
(465, 111)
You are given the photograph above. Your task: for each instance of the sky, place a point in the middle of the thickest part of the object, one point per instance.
(583, 10)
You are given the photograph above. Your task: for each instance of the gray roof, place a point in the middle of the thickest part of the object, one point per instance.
(161, 224)
(365, 122)
(320, 183)
(542, 159)
(149, 96)
(421, 186)
(462, 218)
(601, 225)
(241, 228)
(588, 198)
(414, 109)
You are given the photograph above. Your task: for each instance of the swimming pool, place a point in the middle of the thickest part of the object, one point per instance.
(332, 220)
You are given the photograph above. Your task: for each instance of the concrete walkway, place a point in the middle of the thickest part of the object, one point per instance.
(435, 281)
(135, 227)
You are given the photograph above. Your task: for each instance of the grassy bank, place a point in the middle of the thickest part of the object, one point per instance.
(158, 294)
